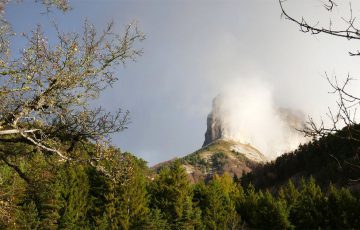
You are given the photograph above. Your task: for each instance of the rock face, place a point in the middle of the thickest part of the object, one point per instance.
(249, 152)
(215, 127)
(219, 127)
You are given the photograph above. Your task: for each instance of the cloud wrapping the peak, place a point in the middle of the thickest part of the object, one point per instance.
(245, 111)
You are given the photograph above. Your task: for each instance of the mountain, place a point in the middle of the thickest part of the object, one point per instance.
(243, 130)
(271, 129)
(218, 157)
(231, 143)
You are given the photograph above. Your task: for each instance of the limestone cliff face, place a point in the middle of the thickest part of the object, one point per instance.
(214, 129)
(288, 120)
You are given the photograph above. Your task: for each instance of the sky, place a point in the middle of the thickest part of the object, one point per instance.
(194, 50)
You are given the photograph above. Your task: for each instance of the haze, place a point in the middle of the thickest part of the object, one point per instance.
(246, 112)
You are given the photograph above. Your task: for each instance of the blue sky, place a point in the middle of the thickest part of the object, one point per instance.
(193, 50)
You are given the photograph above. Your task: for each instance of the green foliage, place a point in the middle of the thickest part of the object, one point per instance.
(27, 216)
(156, 220)
(133, 198)
(194, 159)
(289, 194)
(218, 160)
(248, 207)
(217, 201)
(331, 159)
(44, 189)
(309, 209)
(122, 204)
(74, 197)
(271, 213)
(11, 191)
(343, 209)
(52, 195)
(171, 193)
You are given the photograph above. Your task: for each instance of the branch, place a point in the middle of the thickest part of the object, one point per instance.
(15, 131)
(16, 168)
(350, 33)
(42, 146)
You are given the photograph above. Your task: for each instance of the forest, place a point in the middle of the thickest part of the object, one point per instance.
(49, 195)
(60, 170)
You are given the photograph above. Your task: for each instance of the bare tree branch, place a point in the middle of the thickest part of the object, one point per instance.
(342, 121)
(351, 32)
(46, 90)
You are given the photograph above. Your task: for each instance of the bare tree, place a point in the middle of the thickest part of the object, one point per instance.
(45, 92)
(343, 120)
(349, 32)
(347, 103)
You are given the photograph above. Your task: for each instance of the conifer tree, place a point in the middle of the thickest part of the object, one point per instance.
(122, 204)
(217, 201)
(272, 213)
(133, 198)
(309, 209)
(249, 206)
(172, 194)
(342, 209)
(289, 194)
(156, 221)
(97, 196)
(74, 197)
(11, 192)
(27, 217)
(44, 189)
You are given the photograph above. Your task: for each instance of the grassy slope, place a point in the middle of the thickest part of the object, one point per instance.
(216, 157)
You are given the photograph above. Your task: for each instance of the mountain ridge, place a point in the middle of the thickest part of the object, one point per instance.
(218, 157)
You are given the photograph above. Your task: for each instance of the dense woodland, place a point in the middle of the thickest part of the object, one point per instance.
(41, 193)
(331, 159)
(59, 171)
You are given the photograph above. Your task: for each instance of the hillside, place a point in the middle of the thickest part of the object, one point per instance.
(218, 157)
(331, 159)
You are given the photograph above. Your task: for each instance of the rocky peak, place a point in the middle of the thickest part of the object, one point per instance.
(219, 127)
(215, 127)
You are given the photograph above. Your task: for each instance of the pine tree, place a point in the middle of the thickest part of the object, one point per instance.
(271, 214)
(217, 201)
(74, 197)
(12, 189)
(111, 217)
(171, 193)
(289, 194)
(249, 206)
(133, 198)
(44, 190)
(121, 204)
(97, 197)
(309, 209)
(342, 209)
(27, 217)
(156, 221)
